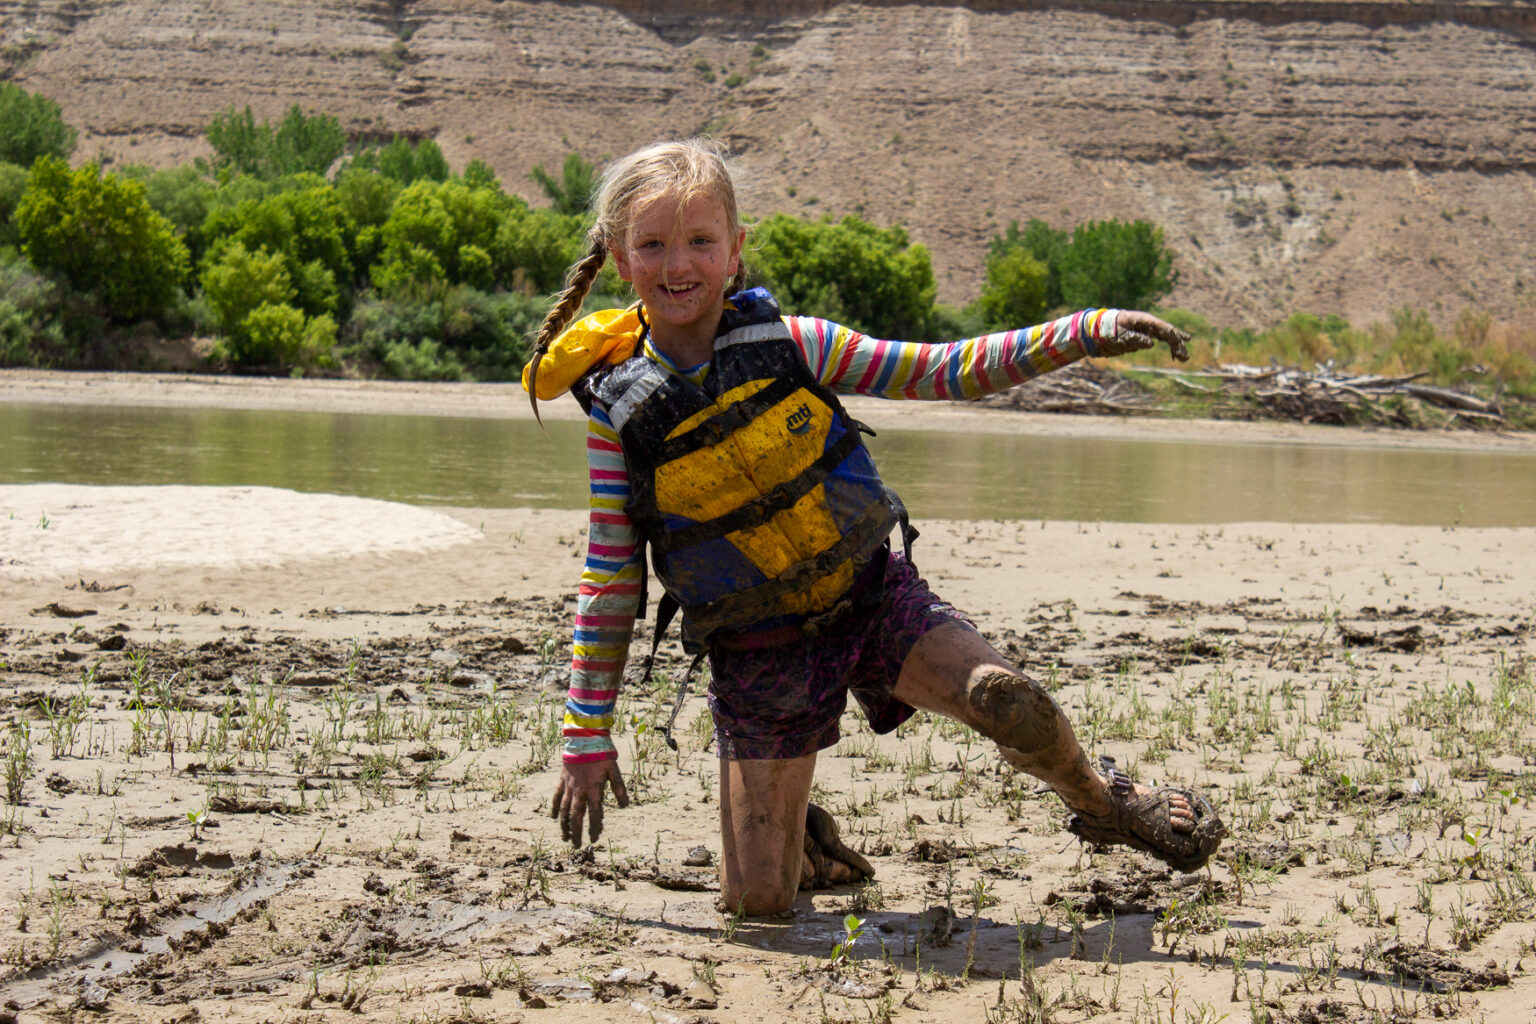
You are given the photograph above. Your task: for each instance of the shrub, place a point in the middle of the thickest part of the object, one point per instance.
(276, 334)
(31, 126)
(465, 332)
(241, 280)
(99, 236)
(31, 333)
(869, 278)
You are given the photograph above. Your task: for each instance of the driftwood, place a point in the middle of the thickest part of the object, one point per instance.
(1325, 395)
(1322, 395)
(1079, 388)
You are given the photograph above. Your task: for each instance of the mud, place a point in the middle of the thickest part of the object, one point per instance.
(370, 779)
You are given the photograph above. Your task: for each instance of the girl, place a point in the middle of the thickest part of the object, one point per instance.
(715, 437)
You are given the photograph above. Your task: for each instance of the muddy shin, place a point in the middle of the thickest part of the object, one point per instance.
(1027, 725)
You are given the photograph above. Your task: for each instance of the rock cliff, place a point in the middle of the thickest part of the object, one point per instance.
(1345, 157)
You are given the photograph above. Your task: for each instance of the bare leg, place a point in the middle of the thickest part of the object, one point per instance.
(955, 672)
(762, 830)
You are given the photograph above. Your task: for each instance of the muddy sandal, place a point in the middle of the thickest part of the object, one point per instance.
(824, 848)
(1145, 822)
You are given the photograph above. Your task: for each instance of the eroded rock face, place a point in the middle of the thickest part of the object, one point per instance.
(1336, 157)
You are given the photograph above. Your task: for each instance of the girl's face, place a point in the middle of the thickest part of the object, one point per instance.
(679, 258)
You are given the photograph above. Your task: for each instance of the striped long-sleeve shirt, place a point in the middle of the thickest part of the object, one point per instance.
(844, 361)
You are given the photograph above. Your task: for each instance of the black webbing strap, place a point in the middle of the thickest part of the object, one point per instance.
(666, 609)
(722, 425)
(909, 532)
(764, 507)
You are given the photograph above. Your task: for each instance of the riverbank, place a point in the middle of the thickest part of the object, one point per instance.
(280, 754)
(508, 401)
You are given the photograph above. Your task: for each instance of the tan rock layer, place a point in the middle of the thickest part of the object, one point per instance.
(1338, 157)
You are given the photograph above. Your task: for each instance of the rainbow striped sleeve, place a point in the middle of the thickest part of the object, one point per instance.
(606, 603)
(846, 360)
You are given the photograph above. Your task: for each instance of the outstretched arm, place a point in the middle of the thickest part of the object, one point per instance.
(605, 617)
(848, 361)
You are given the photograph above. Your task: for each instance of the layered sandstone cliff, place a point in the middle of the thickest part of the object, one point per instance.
(1335, 157)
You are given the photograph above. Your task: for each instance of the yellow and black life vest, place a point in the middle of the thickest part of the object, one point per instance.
(755, 491)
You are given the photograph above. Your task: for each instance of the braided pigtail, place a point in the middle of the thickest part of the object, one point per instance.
(578, 282)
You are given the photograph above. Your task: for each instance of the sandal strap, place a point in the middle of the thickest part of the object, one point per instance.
(1114, 778)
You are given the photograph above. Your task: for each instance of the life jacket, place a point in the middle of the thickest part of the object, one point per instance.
(754, 490)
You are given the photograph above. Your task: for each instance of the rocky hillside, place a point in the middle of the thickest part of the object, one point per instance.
(1345, 157)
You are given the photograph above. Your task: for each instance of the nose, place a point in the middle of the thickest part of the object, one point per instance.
(677, 257)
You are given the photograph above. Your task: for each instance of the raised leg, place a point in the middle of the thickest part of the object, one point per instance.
(762, 830)
(955, 672)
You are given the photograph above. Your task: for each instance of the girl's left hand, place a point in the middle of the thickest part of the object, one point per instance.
(1137, 331)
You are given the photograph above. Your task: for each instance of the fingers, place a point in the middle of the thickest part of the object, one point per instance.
(616, 779)
(1143, 330)
(595, 822)
(554, 805)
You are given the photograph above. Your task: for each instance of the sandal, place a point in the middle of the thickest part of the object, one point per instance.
(824, 847)
(1145, 822)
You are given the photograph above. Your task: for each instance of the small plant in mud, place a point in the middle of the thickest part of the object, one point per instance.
(196, 819)
(842, 952)
(18, 762)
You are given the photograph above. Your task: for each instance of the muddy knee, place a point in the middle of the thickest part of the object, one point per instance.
(1019, 715)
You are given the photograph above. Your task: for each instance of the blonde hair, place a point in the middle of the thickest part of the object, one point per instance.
(681, 170)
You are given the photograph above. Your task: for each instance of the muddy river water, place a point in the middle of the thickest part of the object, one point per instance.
(506, 463)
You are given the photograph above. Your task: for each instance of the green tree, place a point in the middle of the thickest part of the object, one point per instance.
(1042, 243)
(872, 279)
(301, 143)
(403, 161)
(13, 185)
(576, 188)
(31, 126)
(1015, 290)
(534, 248)
(182, 195)
(440, 234)
(100, 236)
(1114, 263)
(242, 280)
(306, 225)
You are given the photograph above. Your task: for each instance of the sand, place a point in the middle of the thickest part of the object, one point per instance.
(360, 698)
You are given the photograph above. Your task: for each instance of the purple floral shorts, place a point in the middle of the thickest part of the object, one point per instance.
(784, 701)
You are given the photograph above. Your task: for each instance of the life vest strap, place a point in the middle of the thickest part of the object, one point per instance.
(750, 604)
(725, 423)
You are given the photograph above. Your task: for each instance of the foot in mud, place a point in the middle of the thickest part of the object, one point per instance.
(828, 862)
(1177, 826)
